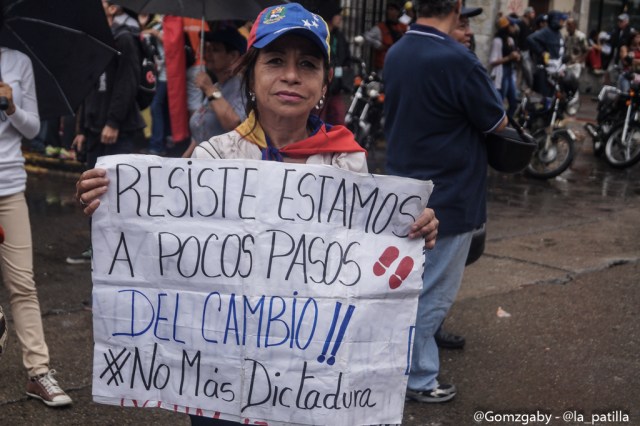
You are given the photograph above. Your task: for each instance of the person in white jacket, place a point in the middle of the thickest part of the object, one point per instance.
(19, 119)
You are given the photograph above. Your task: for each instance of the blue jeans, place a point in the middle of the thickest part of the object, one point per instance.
(443, 269)
(508, 91)
(160, 122)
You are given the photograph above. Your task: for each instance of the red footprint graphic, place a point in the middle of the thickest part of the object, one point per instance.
(402, 272)
(387, 257)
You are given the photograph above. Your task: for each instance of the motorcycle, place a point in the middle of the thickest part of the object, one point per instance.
(611, 111)
(543, 118)
(365, 115)
(622, 148)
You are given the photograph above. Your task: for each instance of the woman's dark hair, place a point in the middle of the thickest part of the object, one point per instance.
(246, 67)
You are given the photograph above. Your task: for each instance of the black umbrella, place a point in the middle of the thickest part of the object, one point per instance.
(69, 43)
(211, 10)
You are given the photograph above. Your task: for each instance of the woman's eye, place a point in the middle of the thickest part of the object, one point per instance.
(309, 64)
(274, 60)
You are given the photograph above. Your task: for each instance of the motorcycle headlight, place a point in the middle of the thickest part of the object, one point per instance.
(373, 89)
(572, 109)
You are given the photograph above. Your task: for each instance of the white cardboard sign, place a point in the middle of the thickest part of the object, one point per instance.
(261, 292)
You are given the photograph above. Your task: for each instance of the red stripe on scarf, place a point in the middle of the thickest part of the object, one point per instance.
(338, 139)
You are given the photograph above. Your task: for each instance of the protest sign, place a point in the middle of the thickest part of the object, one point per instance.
(255, 291)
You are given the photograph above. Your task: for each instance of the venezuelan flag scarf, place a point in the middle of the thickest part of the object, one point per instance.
(324, 139)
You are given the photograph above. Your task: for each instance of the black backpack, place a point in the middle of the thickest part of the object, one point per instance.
(148, 71)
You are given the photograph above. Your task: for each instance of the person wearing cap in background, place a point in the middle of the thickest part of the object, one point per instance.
(285, 75)
(384, 34)
(503, 58)
(526, 26)
(462, 32)
(547, 49)
(619, 42)
(576, 45)
(335, 109)
(222, 108)
(439, 103)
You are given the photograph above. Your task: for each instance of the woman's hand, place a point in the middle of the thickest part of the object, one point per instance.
(91, 185)
(7, 92)
(425, 226)
(204, 83)
(78, 142)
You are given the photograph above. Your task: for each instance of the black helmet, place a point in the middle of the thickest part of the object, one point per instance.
(508, 151)
(569, 82)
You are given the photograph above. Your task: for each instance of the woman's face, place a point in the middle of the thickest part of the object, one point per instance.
(289, 77)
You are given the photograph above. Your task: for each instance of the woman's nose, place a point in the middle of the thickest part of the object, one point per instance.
(291, 73)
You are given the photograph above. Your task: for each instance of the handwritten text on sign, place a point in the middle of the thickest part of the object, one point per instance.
(260, 292)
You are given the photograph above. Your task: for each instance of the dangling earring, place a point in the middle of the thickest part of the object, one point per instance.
(320, 103)
(252, 97)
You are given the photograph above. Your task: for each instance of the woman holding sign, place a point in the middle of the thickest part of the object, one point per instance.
(285, 75)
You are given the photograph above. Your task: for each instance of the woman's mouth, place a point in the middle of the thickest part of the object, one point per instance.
(289, 96)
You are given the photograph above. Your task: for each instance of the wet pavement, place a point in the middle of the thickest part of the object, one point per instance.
(562, 258)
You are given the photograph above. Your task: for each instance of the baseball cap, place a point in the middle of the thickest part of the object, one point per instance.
(289, 18)
(470, 12)
(230, 37)
(504, 22)
(623, 17)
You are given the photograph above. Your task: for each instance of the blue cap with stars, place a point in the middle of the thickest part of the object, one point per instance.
(276, 21)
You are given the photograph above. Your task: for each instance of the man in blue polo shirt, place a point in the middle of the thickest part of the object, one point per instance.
(439, 103)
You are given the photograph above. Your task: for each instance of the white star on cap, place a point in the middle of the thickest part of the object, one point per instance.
(306, 23)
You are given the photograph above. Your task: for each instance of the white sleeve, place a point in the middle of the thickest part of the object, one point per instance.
(26, 119)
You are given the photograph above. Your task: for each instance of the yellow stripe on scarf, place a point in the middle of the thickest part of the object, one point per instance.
(251, 130)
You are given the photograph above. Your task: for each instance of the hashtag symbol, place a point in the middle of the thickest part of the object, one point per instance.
(114, 367)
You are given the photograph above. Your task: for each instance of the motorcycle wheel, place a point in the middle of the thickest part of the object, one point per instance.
(622, 154)
(547, 164)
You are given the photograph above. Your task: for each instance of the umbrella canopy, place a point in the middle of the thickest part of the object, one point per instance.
(69, 43)
(208, 9)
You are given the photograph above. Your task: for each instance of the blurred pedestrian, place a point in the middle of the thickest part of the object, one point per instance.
(503, 59)
(463, 33)
(151, 26)
(384, 34)
(223, 106)
(620, 38)
(110, 115)
(439, 103)
(547, 50)
(19, 119)
(593, 59)
(334, 109)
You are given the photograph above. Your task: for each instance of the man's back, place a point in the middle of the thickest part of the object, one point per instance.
(439, 102)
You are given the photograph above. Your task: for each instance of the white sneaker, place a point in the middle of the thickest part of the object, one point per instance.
(46, 389)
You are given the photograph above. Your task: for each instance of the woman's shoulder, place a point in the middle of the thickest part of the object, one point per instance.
(230, 145)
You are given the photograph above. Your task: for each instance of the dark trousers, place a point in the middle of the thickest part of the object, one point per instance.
(124, 145)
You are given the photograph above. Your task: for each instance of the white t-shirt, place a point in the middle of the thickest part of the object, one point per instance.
(17, 71)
